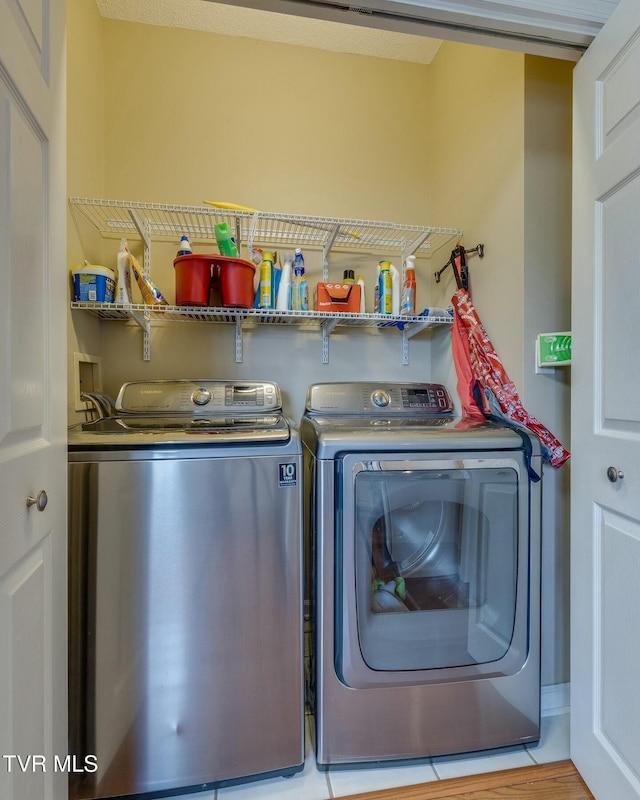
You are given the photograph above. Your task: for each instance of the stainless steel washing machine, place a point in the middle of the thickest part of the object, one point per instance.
(185, 610)
(423, 533)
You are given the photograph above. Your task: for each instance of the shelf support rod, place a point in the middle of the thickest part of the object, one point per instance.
(147, 249)
(238, 340)
(143, 319)
(146, 338)
(415, 245)
(327, 328)
(253, 227)
(142, 228)
(414, 328)
(326, 249)
(405, 348)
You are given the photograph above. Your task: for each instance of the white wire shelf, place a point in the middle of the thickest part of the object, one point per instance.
(244, 318)
(162, 222)
(265, 316)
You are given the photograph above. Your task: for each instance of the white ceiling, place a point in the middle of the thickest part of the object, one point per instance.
(406, 30)
(275, 27)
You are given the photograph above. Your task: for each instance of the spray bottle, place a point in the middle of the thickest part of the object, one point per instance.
(408, 307)
(304, 293)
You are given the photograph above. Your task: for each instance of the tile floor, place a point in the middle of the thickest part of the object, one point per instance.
(311, 784)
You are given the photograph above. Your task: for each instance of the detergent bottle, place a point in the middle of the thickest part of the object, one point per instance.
(299, 289)
(265, 289)
(224, 238)
(283, 299)
(408, 307)
(184, 249)
(385, 289)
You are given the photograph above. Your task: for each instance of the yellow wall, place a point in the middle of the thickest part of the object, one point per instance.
(478, 134)
(275, 127)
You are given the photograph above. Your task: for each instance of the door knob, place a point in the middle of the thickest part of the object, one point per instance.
(614, 474)
(40, 501)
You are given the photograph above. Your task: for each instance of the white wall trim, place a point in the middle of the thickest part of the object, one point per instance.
(555, 699)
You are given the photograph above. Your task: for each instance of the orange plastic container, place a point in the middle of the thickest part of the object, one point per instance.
(193, 279)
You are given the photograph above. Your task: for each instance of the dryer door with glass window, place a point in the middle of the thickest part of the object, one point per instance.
(432, 573)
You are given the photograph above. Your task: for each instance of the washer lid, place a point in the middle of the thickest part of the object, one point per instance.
(184, 429)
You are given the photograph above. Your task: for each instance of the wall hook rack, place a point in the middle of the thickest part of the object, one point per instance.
(459, 252)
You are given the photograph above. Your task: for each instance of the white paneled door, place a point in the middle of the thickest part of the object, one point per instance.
(33, 674)
(605, 528)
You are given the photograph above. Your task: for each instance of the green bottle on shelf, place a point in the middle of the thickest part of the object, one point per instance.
(224, 238)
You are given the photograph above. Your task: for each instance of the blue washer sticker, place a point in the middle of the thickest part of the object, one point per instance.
(287, 474)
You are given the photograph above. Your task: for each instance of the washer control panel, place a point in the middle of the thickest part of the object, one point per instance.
(409, 399)
(194, 397)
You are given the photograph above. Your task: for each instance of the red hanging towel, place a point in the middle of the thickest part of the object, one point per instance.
(477, 362)
(466, 376)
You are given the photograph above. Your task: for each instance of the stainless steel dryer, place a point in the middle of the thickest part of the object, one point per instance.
(185, 616)
(424, 534)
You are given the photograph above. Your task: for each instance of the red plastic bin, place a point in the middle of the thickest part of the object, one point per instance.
(193, 279)
(236, 281)
(198, 273)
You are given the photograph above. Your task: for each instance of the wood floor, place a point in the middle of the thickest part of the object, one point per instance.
(557, 781)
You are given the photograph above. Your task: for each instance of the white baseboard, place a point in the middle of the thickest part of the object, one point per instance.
(555, 699)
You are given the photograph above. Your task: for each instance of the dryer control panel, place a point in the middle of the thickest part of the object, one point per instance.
(408, 399)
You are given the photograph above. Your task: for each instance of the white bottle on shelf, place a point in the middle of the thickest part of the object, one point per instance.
(123, 288)
(283, 299)
(363, 302)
